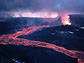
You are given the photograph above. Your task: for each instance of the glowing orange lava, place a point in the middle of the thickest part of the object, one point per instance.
(12, 39)
(66, 20)
(35, 14)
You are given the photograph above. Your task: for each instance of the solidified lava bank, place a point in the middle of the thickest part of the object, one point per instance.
(13, 39)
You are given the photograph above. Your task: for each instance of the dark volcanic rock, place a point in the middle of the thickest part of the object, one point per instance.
(70, 37)
(33, 54)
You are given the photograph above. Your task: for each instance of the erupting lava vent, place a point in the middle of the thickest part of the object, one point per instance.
(66, 20)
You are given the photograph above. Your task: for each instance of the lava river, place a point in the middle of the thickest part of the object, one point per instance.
(12, 39)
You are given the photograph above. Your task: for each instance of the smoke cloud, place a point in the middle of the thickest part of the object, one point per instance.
(42, 5)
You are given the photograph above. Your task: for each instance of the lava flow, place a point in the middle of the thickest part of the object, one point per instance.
(12, 39)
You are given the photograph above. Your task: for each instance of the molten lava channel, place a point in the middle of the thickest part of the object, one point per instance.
(12, 39)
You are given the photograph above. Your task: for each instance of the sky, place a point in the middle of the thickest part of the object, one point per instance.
(42, 5)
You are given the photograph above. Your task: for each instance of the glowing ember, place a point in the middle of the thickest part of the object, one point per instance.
(66, 20)
(12, 39)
